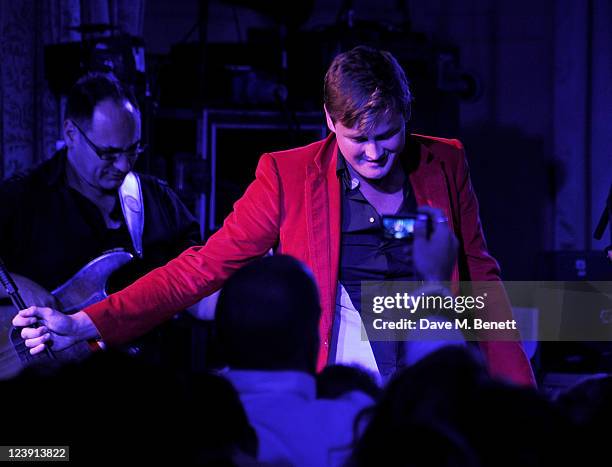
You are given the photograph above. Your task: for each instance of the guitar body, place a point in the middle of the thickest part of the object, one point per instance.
(86, 287)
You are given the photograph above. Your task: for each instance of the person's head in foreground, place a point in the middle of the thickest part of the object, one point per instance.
(267, 317)
(451, 412)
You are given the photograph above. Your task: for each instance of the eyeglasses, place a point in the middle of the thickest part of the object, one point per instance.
(112, 154)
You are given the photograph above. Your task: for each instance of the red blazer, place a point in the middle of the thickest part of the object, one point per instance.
(294, 205)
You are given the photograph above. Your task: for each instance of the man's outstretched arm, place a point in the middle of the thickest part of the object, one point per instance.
(249, 232)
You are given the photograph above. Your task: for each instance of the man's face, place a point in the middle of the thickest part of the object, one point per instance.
(114, 126)
(372, 155)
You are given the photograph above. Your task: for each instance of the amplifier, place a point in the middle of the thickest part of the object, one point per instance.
(575, 266)
(232, 141)
(578, 357)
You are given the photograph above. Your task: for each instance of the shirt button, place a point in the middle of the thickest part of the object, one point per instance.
(325, 343)
(372, 220)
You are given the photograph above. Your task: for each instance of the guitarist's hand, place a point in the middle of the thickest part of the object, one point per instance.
(55, 329)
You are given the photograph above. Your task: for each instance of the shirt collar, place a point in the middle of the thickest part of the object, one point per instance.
(56, 177)
(57, 168)
(349, 181)
(408, 157)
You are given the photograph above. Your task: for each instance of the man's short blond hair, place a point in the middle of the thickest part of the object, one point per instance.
(365, 86)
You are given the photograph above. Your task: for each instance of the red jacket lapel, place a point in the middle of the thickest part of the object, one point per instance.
(429, 183)
(322, 202)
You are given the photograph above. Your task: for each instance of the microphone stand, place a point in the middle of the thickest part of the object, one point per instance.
(605, 221)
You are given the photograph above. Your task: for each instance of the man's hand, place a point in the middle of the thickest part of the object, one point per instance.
(435, 257)
(55, 329)
(32, 293)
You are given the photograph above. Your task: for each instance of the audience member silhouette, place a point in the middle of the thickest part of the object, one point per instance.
(267, 323)
(140, 413)
(446, 411)
(588, 405)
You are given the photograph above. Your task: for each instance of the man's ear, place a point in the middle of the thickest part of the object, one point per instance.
(330, 122)
(69, 133)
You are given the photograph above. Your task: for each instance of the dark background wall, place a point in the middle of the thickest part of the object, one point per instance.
(536, 132)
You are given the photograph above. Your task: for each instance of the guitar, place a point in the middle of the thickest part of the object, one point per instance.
(86, 287)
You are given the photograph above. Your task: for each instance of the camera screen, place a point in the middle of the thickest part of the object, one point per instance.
(399, 227)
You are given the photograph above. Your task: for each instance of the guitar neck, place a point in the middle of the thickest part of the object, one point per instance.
(13, 292)
(10, 287)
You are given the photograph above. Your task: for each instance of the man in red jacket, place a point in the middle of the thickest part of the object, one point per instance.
(323, 205)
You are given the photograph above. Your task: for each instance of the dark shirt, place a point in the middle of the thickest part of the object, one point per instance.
(366, 255)
(48, 230)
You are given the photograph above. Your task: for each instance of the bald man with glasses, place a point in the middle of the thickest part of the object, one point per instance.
(112, 154)
(71, 209)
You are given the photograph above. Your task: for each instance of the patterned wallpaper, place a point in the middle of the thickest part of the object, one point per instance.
(30, 114)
